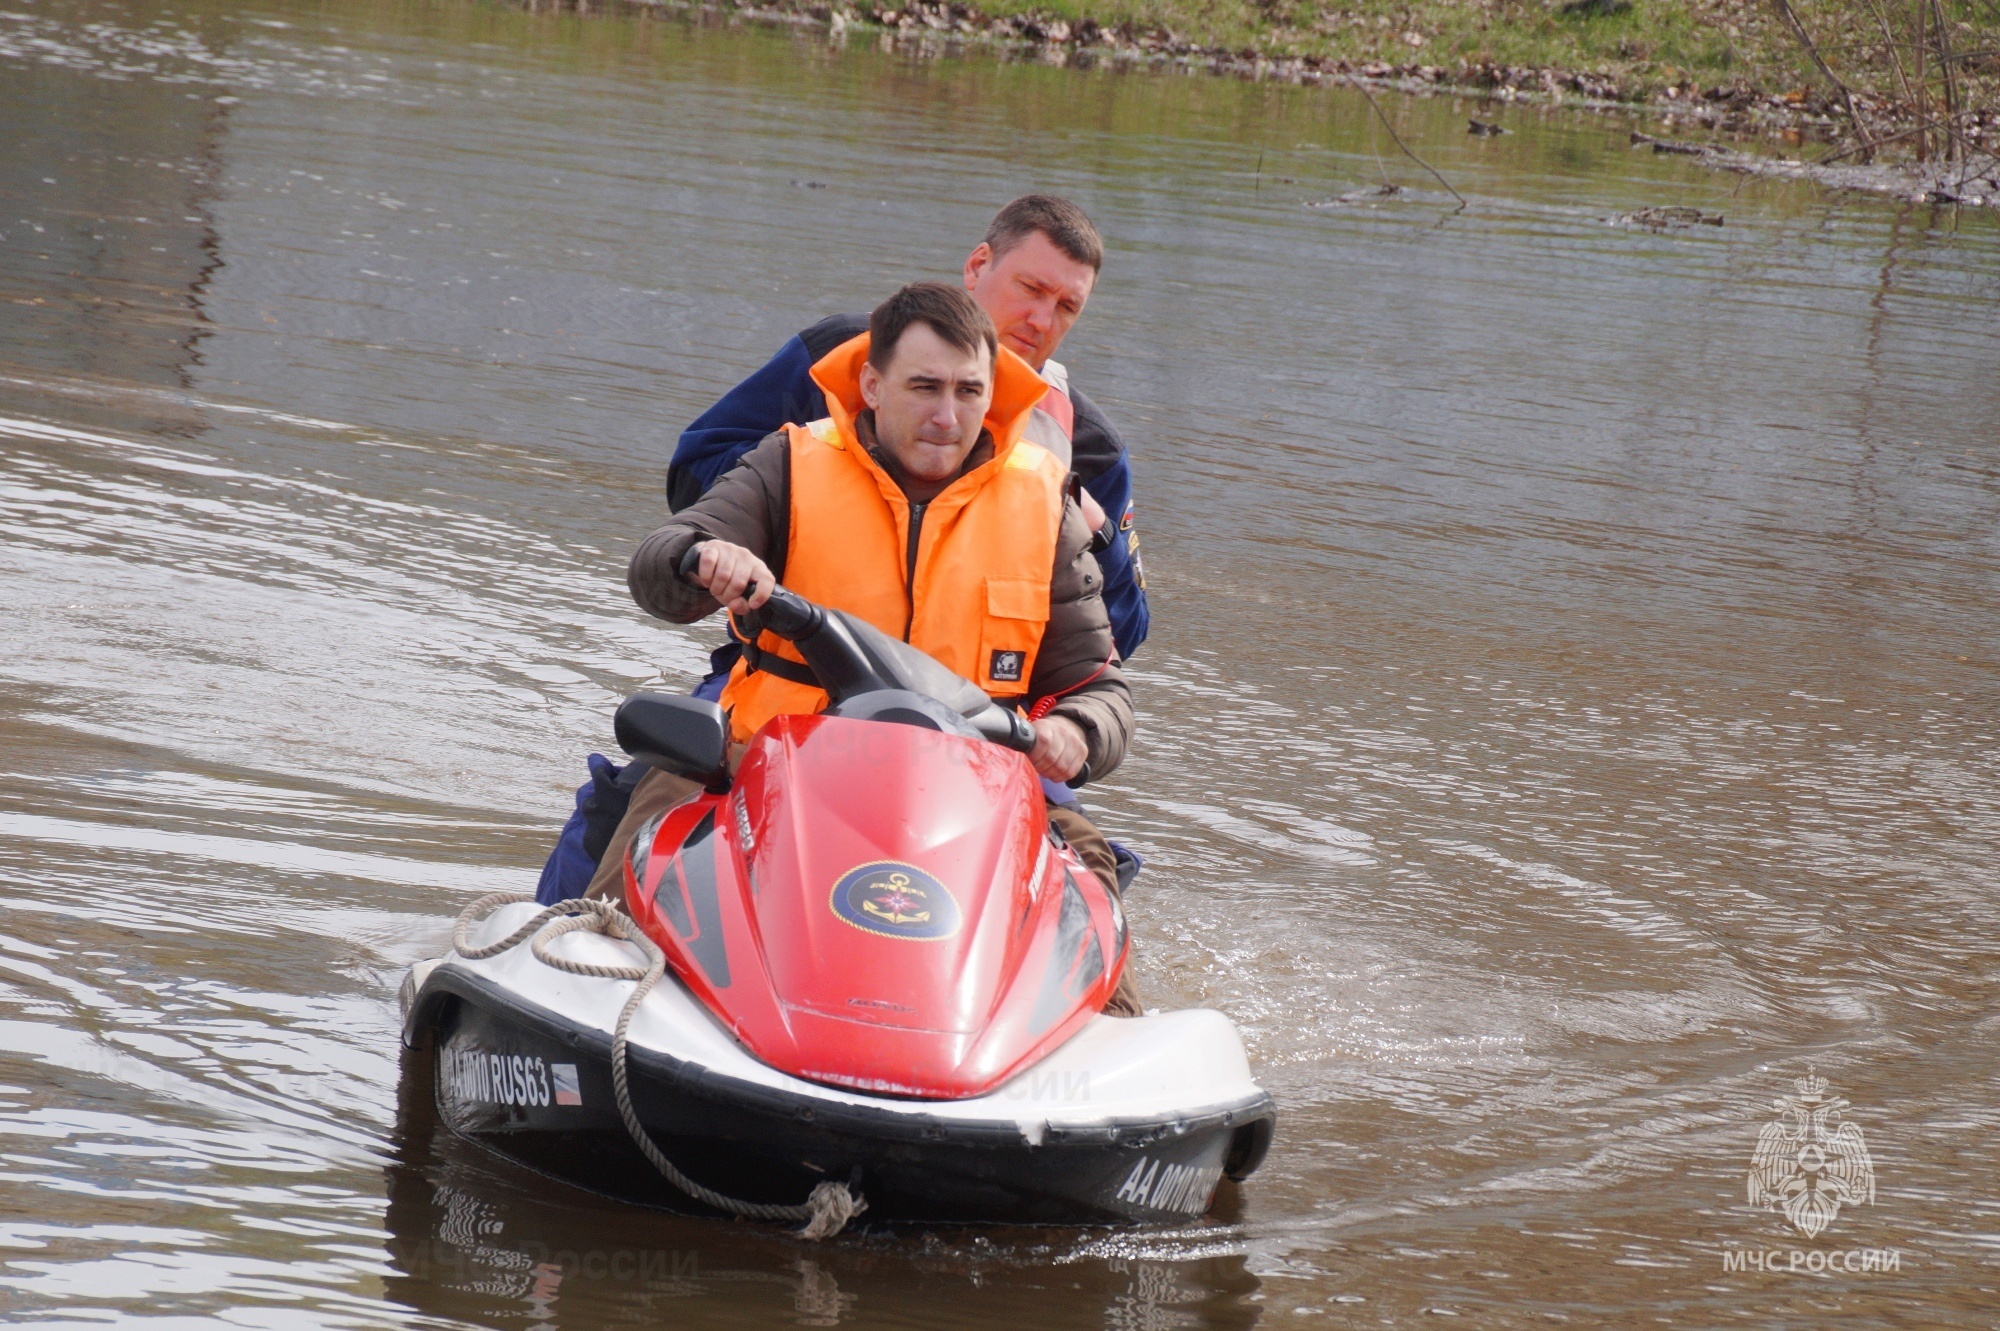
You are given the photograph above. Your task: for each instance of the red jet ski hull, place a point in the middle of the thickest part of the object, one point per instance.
(880, 907)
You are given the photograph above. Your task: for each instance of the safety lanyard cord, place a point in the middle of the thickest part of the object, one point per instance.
(1046, 703)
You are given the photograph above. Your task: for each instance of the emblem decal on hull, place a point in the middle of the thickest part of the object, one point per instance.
(895, 901)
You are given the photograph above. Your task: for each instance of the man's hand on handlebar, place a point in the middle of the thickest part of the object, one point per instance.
(1060, 748)
(737, 579)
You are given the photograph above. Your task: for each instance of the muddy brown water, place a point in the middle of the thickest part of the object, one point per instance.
(1570, 716)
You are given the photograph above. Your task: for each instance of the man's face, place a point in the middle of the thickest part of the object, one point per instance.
(1034, 292)
(929, 402)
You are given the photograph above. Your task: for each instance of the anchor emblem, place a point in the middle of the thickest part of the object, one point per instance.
(895, 900)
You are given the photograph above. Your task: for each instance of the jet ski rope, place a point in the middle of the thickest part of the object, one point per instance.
(831, 1205)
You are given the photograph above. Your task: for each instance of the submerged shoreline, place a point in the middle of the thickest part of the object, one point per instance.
(1736, 114)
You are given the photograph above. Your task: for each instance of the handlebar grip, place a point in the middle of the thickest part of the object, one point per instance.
(785, 613)
(790, 615)
(1081, 778)
(1005, 727)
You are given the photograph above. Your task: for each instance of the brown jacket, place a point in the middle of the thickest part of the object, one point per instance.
(751, 506)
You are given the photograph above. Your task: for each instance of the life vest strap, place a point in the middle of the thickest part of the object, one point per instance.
(755, 658)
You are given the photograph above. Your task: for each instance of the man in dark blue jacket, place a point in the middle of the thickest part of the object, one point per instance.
(1032, 272)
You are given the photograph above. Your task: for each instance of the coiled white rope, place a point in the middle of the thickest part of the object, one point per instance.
(831, 1205)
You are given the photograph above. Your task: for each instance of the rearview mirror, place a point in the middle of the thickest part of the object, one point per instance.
(686, 736)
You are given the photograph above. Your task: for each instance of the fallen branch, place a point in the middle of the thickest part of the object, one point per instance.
(1385, 192)
(1674, 145)
(1462, 205)
(1659, 219)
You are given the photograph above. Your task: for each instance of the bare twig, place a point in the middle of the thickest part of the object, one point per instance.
(1943, 30)
(1830, 158)
(1846, 98)
(1895, 50)
(1462, 205)
(1923, 89)
(1968, 149)
(1921, 127)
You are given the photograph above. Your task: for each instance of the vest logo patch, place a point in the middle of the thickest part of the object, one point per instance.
(1006, 666)
(895, 900)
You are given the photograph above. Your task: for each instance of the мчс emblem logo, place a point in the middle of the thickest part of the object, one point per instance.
(895, 901)
(1806, 1167)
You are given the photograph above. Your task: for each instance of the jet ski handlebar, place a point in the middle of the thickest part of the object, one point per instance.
(785, 613)
(851, 657)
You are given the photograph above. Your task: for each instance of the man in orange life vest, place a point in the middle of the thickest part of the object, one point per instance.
(918, 505)
(1033, 271)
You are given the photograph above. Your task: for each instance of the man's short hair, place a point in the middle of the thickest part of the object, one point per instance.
(1055, 217)
(950, 311)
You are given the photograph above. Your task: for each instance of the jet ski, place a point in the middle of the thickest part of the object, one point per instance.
(860, 971)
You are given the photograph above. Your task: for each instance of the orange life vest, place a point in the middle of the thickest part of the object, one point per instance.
(975, 591)
(1053, 421)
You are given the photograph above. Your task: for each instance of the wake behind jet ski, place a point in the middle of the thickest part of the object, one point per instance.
(882, 980)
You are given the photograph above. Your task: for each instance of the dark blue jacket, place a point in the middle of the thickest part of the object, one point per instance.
(783, 392)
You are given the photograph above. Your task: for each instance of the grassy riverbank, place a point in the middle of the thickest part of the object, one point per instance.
(1643, 45)
(1919, 77)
